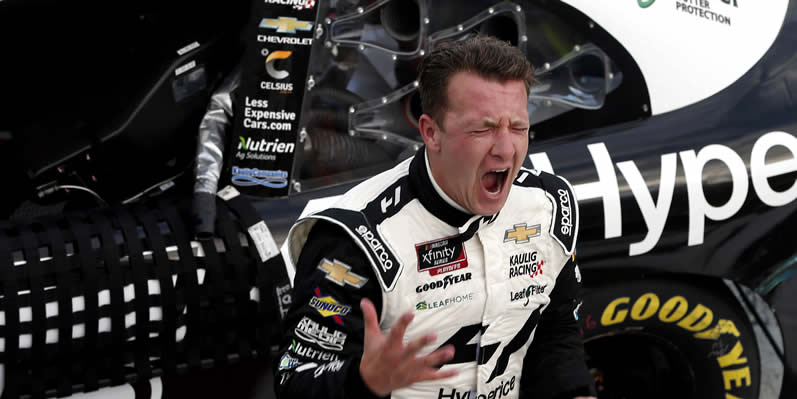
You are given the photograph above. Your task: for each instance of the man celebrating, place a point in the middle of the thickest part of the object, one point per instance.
(453, 274)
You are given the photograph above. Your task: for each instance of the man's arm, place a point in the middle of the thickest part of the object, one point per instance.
(323, 338)
(554, 366)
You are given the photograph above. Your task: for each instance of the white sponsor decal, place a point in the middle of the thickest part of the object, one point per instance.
(376, 246)
(655, 212)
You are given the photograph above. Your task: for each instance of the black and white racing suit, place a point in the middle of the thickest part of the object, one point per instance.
(502, 289)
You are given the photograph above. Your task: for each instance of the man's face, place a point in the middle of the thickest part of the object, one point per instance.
(476, 154)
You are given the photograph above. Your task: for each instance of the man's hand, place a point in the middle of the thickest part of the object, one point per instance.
(388, 364)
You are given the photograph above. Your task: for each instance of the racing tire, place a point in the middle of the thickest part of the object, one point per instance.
(669, 339)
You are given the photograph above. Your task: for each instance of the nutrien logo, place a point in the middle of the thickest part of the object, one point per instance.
(441, 256)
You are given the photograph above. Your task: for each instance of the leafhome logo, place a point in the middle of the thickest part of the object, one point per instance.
(501, 390)
(645, 3)
(297, 4)
(328, 306)
(521, 232)
(441, 256)
(286, 24)
(444, 283)
(430, 305)
(564, 204)
(527, 293)
(377, 247)
(247, 144)
(341, 274)
(312, 332)
(525, 264)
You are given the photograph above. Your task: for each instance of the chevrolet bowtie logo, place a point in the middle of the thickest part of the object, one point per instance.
(286, 24)
(521, 233)
(340, 274)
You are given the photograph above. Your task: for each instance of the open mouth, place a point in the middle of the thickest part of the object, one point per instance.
(493, 181)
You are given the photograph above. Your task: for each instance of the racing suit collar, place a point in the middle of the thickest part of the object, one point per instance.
(435, 201)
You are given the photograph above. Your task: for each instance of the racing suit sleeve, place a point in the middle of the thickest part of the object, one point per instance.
(323, 338)
(555, 365)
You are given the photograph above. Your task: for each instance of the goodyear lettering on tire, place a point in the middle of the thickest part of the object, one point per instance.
(694, 319)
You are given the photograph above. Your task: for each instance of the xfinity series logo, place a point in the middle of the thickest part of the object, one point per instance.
(376, 246)
(297, 4)
(564, 205)
(312, 332)
(441, 256)
(444, 283)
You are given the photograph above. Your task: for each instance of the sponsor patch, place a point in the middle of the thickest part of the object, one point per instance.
(527, 293)
(521, 233)
(288, 362)
(286, 24)
(328, 306)
(430, 305)
(525, 264)
(341, 274)
(310, 353)
(309, 330)
(444, 283)
(441, 256)
(333, 366)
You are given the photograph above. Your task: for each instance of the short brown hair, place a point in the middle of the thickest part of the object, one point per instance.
(485, 56)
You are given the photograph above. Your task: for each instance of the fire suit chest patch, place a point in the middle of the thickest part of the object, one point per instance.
(441, 256)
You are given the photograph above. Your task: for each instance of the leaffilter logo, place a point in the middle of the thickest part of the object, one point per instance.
(645, 3)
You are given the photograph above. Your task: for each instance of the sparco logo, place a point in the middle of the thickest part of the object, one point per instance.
(441, 256)
(376, 246)
(564, 203)
(501, 390)
(444, 283)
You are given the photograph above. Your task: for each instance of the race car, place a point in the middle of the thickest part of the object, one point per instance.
(674, 120)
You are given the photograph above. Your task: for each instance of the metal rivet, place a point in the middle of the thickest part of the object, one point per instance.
(591, 25)
(319, 31)
(611, 76)
(360, 10)
(416, 84)
(297, 186)
(351, 110)
(352, 132)
(459, 27)
(548, 103)
(264, 52)
(426, 21)
(310, 83)
(361, 47)
(524, 38)
(518, 9)
(327, 21)
(302, 135)
(416, 147)
(547, 66)
(644, 108)
(384, 100)
(327, 44)
(395, 57)
(88, 157)
(384, 137)
(490, 10)
(576, 48)
(422, 52)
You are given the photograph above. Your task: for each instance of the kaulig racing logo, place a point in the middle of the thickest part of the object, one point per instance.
(655, 211)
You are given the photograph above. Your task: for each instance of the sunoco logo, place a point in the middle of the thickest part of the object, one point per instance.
(377, 247)
(444, 283)
(564, 204)
(441, 256)
(328, 306)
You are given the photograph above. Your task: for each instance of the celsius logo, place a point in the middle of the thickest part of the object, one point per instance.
(377, 247)
(273, 57)
(645, 3)
(564, 204)
(655, 211)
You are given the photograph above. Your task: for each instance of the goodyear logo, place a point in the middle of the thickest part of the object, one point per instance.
(328, 306)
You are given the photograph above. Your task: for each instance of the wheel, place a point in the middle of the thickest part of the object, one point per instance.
(669, 339)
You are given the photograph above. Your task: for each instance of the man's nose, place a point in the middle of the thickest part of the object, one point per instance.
(502, 146)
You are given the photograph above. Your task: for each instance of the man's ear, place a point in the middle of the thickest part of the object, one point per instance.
(430, 132)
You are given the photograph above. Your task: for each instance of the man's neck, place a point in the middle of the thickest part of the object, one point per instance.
(439, 189)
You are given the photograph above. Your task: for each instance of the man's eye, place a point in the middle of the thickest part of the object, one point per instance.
(481, 131)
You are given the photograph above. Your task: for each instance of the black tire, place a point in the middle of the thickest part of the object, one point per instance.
(669, 339)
